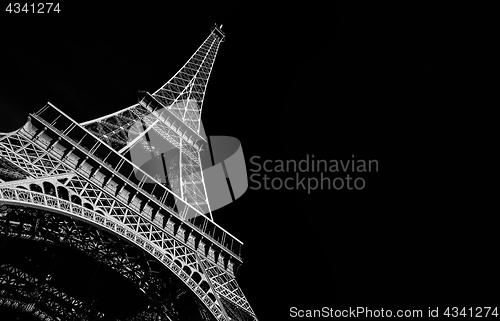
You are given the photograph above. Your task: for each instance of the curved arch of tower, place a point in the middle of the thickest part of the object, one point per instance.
(127, 191)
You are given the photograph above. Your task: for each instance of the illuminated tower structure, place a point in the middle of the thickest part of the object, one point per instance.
(126, 190)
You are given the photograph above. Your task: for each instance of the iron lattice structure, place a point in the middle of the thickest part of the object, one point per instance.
(75, 185)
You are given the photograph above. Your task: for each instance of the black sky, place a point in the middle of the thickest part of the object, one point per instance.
(332, 81)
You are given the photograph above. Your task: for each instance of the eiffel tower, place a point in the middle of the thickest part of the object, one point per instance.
(125, 191)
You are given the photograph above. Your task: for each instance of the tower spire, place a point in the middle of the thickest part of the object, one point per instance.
(183, 94)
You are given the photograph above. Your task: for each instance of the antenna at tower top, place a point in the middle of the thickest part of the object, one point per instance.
(218, 32)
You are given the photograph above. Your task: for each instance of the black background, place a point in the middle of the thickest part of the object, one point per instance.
(377, 82)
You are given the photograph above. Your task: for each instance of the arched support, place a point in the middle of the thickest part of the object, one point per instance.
(163, 249)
